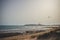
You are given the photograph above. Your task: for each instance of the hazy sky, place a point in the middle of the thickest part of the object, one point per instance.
(15, 12)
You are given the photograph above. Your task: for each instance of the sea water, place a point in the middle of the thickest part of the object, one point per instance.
(21, 28)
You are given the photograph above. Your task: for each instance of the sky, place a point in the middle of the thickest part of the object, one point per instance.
(17, 12)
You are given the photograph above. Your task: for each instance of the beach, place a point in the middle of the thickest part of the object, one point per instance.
(40, 35)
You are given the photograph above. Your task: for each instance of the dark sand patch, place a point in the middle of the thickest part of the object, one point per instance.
(3, 35)
(50, 36)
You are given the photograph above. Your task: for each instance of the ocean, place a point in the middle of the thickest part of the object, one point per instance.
(20, 29)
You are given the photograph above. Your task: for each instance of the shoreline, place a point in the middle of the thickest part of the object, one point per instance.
(51, 34)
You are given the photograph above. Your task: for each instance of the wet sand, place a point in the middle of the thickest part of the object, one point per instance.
(3, 35)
